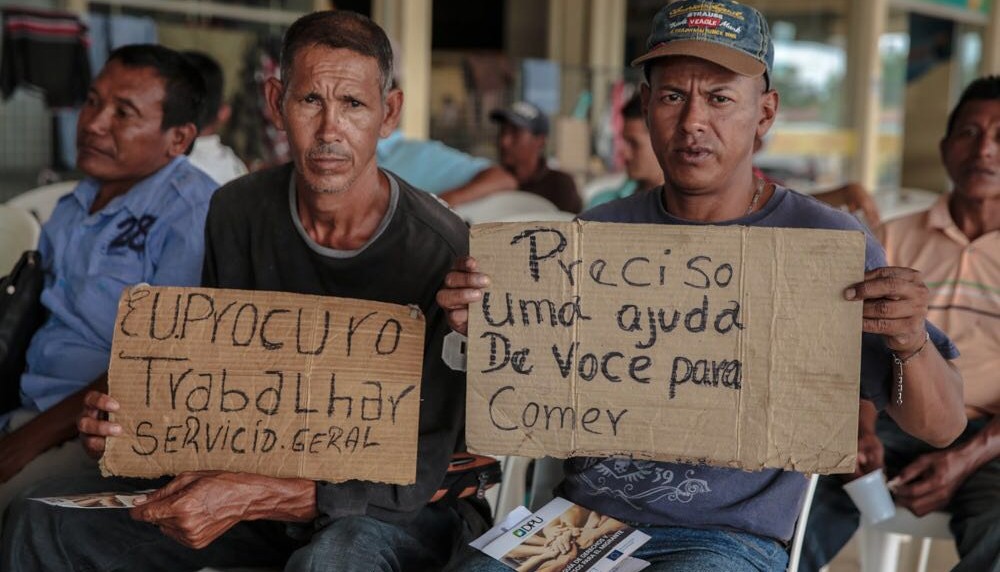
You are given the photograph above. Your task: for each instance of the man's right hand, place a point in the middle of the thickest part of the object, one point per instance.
(93, 424)
(463, 285)
(871, 454)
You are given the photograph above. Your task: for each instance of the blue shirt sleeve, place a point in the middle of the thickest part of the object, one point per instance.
(182, 252)
(430, 165)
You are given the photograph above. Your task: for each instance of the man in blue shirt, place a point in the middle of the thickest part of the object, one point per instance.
(707, 98)
(455, 177)
(139, 216)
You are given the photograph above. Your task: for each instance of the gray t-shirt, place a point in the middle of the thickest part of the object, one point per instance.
(765, 502)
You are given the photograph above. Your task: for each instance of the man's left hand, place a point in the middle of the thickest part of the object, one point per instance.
(197, 507)
(930, 481)
(895, 306)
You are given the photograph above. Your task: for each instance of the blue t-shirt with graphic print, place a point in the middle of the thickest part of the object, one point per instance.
(765, 502)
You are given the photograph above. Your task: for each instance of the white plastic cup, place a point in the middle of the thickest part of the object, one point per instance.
(871, 495)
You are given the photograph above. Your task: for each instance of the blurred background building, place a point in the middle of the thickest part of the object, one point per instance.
(865, 84)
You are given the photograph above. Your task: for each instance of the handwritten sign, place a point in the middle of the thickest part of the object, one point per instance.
(279, 384)
(731, 346)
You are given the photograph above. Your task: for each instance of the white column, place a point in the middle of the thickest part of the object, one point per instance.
(991, 44)
(607, 49)
(75, 6)
(868, 21)
(409, 24)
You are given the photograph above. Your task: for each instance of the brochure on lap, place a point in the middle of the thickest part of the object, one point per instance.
(563, 537)
(95, 500)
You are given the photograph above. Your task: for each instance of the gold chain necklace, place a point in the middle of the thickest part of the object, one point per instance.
(756, 196)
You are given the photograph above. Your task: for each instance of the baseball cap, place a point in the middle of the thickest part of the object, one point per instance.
(525, 115)
(724, 32)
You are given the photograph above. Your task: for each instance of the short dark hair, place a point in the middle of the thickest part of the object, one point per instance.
(211, 73)
(983, 89)
(184, 89)
(633, 107)
(338, 29)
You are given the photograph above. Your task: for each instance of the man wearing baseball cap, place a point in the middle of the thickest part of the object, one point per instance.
(524, 129)
(707, 98)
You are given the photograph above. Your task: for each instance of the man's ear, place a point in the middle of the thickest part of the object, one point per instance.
(181, 137)
(644, 93)
(393, 106)
(769, 101)
(274, 94)
(225, 112)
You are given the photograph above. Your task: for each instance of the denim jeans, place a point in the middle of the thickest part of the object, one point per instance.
(975, 508)
(39, 537)
(676, 549)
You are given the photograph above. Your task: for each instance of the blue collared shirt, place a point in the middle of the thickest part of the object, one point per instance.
(154, 233)
(429, 166)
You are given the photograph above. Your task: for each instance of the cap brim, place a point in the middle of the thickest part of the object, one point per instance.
(504, 116)
(729, 58)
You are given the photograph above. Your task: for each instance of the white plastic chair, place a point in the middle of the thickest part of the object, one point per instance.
(508, 206)
(795, 551)
(19, 231)
(880, 543)
(600, 184)
(513, 487)
(41, 201)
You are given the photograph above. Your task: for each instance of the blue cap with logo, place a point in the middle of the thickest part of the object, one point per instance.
(724, 32)
(524, 115)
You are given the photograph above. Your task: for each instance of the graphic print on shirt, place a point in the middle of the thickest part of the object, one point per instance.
(134, 231)
(640, 483)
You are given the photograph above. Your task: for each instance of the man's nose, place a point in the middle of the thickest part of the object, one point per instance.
(989, 144)
(694, 115)
(96, 121)
(331, 124)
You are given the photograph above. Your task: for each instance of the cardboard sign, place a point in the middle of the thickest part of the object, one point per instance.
(278, 384)
(731, 346)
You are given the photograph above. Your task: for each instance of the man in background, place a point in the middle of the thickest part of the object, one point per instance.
(209, 153)
(524, 131)
(641, 167)
(956, 245)
(136, 217)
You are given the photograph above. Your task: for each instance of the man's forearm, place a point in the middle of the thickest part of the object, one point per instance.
(57, 424)
(932, 408)
(287, 500)
(984, 446)
(487, 182)
(867, 416)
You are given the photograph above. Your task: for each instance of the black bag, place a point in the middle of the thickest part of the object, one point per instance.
(21, 314)
(468, 475)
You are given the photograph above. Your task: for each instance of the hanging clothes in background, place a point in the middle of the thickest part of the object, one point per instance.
(45, 50)
(106, 34)
(541, 83)
(250, 130)
(488, 77)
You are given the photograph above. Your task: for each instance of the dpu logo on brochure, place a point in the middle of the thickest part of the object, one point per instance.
(528, 526)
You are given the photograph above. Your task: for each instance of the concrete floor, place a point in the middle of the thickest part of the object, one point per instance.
(942, 557)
